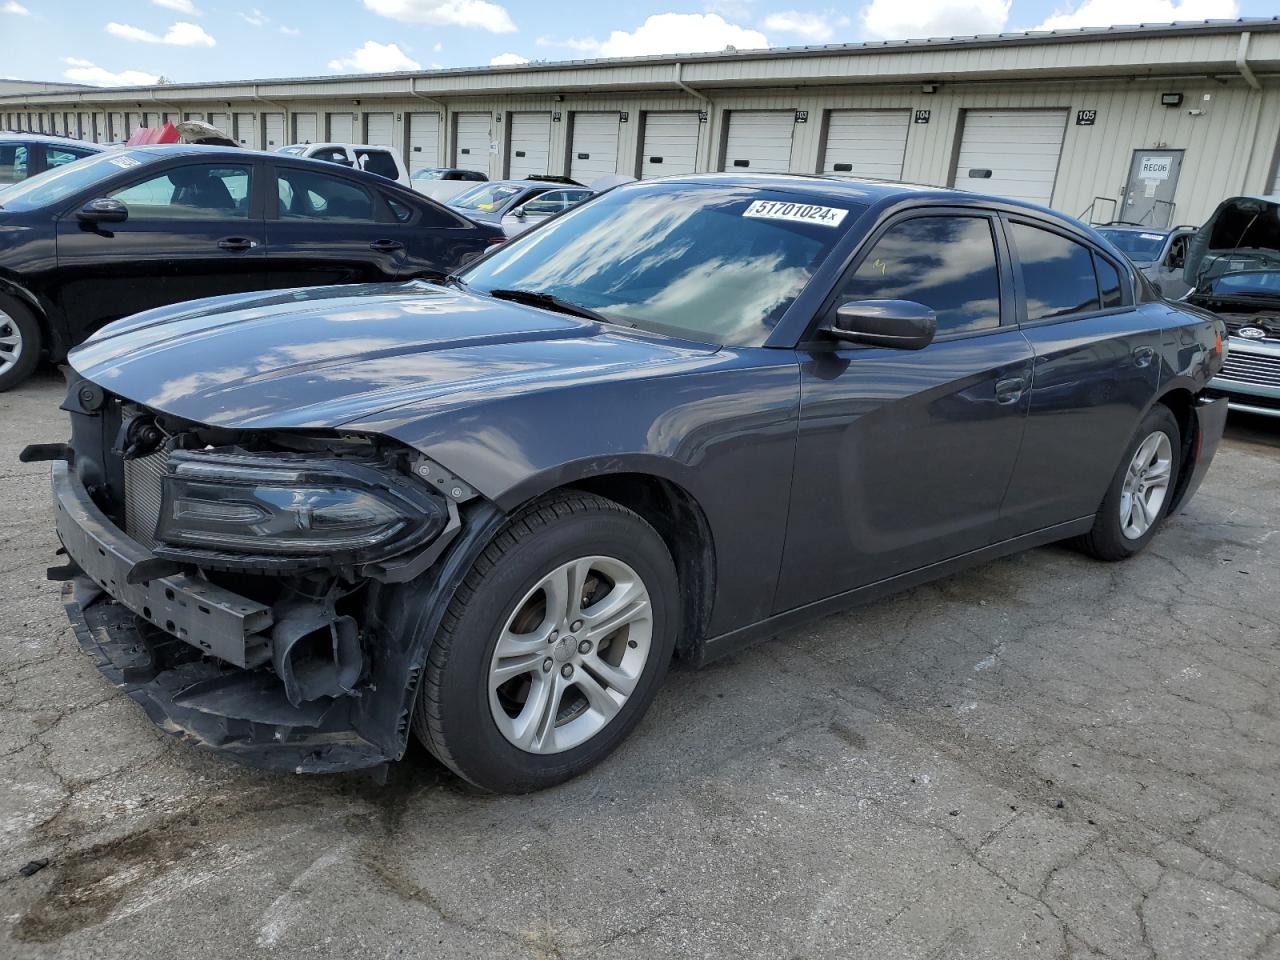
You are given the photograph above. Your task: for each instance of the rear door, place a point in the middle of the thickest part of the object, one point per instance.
(325, 228)
(902, 456)
(1096, 371)
(194, 230)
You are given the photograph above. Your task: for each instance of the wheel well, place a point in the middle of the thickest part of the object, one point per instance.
(678, 518)
(1181, 404)
(24, 302)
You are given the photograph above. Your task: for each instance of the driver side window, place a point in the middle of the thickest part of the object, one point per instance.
(203, 192)
(948, 263)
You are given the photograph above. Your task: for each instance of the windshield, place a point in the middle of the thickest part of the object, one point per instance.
(293, 151)
(1265, 283)
(486, 197)
(1135, 244)
(57, 184)
(428, 174)
(715, 264)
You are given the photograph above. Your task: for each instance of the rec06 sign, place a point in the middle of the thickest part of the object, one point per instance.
(1155, 168)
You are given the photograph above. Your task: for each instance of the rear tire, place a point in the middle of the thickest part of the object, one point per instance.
(1140, 493)
(571, 678)
(21, 341)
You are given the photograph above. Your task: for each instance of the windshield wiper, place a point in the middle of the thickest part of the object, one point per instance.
(549, 301)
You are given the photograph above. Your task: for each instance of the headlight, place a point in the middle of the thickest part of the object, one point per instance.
(328, 512)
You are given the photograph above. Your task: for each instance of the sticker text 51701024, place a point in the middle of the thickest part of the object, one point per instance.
(795, 212)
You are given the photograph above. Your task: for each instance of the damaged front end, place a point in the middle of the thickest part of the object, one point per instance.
(237, 584)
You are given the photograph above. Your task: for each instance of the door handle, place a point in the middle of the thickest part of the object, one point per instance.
(1010, 389)
(386, 246)
(1143, 356)
(236, 244)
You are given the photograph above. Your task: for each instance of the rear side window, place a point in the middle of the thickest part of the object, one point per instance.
(13, 162)
(310, 195)
(1108, 283)
(57, 156)
(377, 161)
(947, 263)
(1057, 273)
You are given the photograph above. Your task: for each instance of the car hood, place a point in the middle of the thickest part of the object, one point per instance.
(327, 356)
(1242, 234)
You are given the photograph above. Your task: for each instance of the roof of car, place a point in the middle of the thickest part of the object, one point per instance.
(332, 143)
(49, 138)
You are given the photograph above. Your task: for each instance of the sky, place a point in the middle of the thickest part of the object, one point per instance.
(115, 42)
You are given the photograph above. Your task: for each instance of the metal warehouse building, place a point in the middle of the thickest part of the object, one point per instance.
(1151, 124)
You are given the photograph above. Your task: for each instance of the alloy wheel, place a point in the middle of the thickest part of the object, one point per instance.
(570, 655)
(1146, 484)
(10, 341)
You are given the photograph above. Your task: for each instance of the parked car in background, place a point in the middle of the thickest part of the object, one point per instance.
(681, 417)
(530, 213)
(1233, 266)
(141, 227)
(381, 161)
(1160, 254)
(444, 183)
(493, 200)
(23, 155)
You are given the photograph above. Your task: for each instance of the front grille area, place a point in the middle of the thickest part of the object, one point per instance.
(1256, 368)
(143, 479)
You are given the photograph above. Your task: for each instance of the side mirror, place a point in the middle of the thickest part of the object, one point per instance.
(518, 213)
(103, 210)
(903, 324)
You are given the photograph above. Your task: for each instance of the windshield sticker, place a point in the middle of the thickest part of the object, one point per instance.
(795, 212)
(126, 161)
(1152, 236)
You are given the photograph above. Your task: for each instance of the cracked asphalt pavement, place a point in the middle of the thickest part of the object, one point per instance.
(1046, 757)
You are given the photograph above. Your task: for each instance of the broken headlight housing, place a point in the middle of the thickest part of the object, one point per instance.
(233, 508)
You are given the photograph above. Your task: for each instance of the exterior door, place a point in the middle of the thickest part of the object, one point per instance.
(593, 152)
(670, 144)
(379, 129)
(759, 141)
(342, 128)
(194, 230)
(273, 130)
(1011, 153)
(1153, 181)
(328, 229)
(424, 140)
(903, 457)
(529, 146)
(866, 143)
(247, 130)
(1096, 369)
(306, 128)
(471, 141)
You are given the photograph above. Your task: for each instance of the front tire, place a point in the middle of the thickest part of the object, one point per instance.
(553, 648)
(1140, 493)
(20, 343)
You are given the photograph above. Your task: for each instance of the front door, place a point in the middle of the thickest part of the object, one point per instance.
(194, 230)
(903, 457)
(1153, 180)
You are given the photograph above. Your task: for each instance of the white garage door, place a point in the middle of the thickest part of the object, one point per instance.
(424, 140)
(342, 128)
(378, 129)
(594, 152)
(115, 126)
(306, 127)
(759, 140)
(222, 121)
(471, 142)
(670, 144)
(135, 122)
(1011, 153)
(866, 143)
(194, 116)
(247, 130)
(529, 151)
(274, 129)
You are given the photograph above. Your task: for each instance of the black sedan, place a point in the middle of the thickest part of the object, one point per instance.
(300, 525)
(132, 229)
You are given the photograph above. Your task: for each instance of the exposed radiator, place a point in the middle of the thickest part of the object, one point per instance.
(143, 478)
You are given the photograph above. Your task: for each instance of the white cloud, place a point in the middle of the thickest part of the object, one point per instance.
(289, 31)
(447, 13)
(437, 47)
(255, 17)
(181, 34)
(12, 6)
(1106, 13)
(920, 19)
(507, 60)
(815, 27)
(182, 6)
(84, 71)
(376, 57)
(681, 33)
